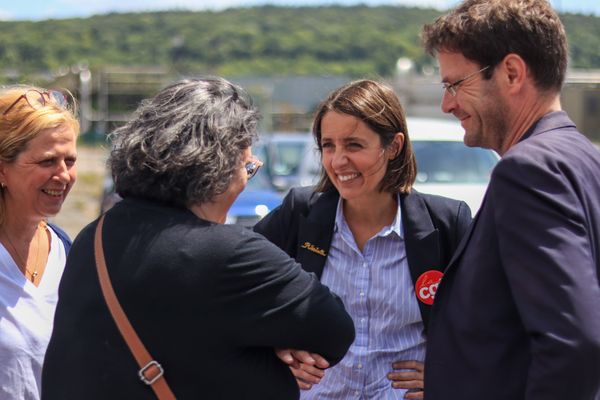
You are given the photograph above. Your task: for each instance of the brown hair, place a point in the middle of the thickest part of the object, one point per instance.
(485, 31)
(22, 123)
(379, 108)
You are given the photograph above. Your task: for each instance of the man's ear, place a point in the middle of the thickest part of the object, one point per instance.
(513, 71)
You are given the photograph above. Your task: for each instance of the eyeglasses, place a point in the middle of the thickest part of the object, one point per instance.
(453, 87)
(37, 99)
(252, 167)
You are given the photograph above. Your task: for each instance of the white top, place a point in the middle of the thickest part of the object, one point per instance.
(26, 318)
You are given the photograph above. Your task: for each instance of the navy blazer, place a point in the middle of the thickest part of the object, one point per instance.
(517, 315)
(303, 227)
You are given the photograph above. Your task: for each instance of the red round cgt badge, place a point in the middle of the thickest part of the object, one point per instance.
(427, 284)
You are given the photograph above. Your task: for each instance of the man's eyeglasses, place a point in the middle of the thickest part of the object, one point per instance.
(252, 167)
(453, 87)
(37, 99)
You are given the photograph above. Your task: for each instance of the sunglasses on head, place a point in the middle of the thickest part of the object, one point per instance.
(38, 99)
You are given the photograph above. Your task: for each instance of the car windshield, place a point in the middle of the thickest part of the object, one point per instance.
(452, 162)
(286, 157)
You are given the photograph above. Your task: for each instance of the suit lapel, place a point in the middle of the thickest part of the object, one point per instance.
(465, 240)
(315, 232)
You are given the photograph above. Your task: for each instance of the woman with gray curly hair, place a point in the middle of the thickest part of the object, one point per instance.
(209, 301)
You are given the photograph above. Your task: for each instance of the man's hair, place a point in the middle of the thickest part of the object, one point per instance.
(485, 31)
(184, 145)
(379, 108)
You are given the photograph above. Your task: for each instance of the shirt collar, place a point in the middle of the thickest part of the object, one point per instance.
(395, 226)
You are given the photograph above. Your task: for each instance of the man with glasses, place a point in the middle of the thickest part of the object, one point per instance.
(517, 313)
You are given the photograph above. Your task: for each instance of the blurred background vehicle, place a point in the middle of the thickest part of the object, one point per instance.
(445, 166)
(256, 201)
(258, 198)
(291, 159)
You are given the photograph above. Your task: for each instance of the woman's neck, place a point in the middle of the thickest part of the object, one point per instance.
(366, 218)
(28, 243)
(378, 210)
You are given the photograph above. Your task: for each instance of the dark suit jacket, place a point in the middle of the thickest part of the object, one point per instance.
(209, 301)
(517, 315)
(433, 227)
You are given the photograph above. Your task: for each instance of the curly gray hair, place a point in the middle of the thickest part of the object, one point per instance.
(183, 145)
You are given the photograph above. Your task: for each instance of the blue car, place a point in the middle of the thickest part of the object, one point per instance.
(260, 195)
(256, 201)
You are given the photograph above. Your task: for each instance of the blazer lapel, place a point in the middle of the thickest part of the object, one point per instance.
(315, 232)
(421, 238)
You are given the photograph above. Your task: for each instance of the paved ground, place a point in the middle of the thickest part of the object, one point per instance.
(83, 204)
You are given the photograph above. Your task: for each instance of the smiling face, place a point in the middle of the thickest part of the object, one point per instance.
(38, 181)
(478, 104)
(352, 156)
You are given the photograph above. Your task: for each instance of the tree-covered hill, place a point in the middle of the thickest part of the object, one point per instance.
(268, 40)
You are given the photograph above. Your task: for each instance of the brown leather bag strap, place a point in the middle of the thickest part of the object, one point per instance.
(151, 372)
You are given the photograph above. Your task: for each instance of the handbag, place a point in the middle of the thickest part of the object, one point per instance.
(151, 372)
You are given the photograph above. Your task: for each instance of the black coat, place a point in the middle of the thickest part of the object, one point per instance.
(303, 225)
(209, 301)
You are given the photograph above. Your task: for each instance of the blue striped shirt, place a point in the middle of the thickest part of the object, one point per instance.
(378, 292)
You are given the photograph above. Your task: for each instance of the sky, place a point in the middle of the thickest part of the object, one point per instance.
(57, 9)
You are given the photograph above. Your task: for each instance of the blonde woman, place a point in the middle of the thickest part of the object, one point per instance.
(37, 170)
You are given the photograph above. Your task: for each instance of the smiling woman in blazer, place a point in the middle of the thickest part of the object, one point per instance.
(373, 240)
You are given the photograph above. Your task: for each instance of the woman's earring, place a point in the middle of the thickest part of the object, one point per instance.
(2, 185)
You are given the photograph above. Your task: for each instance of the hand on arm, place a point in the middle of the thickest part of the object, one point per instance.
(410, 378)
(307, 368)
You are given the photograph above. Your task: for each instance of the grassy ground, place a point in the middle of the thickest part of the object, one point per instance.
(83, 204)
